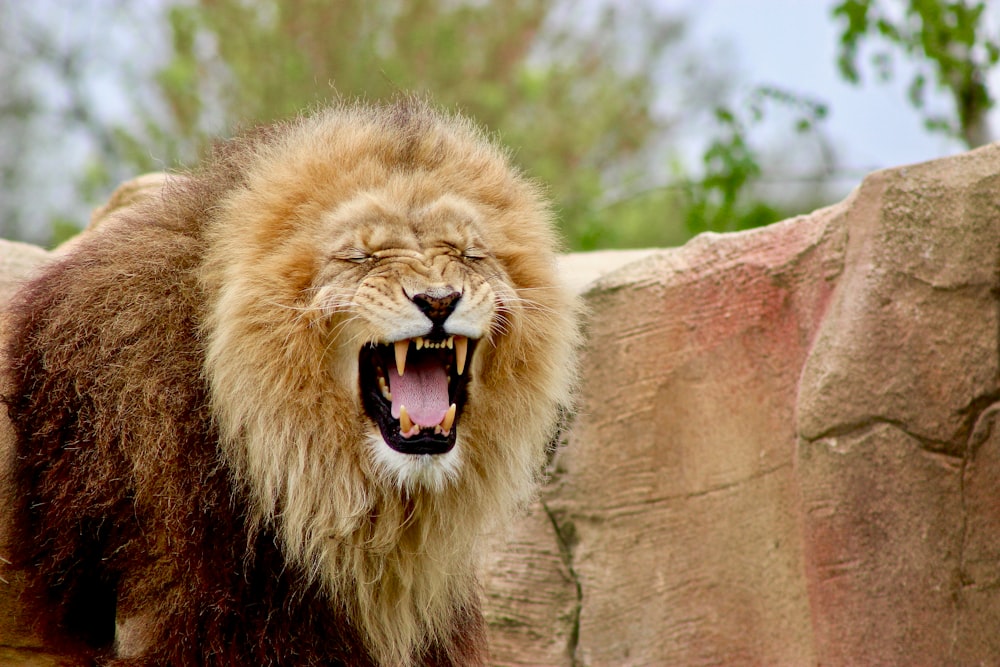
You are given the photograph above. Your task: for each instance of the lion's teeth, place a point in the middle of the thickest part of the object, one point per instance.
(384, 388)
(419, 342)
(450, 342)
(449, 418)
(401, 347)
(461, 350)
(405, 425)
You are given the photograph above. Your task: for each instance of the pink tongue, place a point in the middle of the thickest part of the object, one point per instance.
(423, 389)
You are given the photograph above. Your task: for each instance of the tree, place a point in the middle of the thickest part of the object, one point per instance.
(950, 43)
(726, 197)
(57, 146)
(592, 98)
(572, 93)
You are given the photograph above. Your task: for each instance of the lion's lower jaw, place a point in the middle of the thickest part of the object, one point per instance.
(413, 472)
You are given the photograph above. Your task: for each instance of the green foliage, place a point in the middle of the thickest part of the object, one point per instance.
(574, 100)
(950, 44)
(724, 199)
(62, 230)
(575, 89)
(591, 98)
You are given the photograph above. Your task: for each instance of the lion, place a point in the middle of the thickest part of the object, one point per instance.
(270, 415)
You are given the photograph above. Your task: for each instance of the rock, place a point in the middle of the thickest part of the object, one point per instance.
(898, 457)
(784, 450)
(674, 502)
(20, 646)
(17, 261)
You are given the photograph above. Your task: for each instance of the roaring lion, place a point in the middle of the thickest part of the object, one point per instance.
(267, 416)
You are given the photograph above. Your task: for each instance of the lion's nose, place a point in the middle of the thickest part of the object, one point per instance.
(435, 307)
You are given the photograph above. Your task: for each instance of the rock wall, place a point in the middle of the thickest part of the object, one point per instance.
(784, 451)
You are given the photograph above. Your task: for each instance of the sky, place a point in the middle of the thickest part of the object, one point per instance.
(794, 43)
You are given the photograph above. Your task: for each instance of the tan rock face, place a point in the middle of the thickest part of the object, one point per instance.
(675, 500)
(17, 261)
(784, 451)
(18, 644)
(897, 451)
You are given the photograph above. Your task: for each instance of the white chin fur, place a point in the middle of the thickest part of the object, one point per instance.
(432, 472)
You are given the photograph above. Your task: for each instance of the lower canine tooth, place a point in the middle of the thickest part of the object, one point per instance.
(405, 425)
(449, 418)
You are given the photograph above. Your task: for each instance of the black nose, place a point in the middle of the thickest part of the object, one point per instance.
(437, 308)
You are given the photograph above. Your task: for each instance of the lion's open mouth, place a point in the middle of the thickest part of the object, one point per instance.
(415, 389)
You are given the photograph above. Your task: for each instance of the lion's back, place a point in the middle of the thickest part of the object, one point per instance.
(104, 396)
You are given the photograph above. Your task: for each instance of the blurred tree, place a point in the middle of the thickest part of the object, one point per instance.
(16, 108)
(572, 92)
(52, 56)
(949, 41)
(726, 198)
(594, 98)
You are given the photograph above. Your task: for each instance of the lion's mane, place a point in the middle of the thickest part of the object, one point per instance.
(192, 461)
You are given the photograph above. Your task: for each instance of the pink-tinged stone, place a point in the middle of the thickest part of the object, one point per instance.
(674, 503)
(897, 451)
(785, 450)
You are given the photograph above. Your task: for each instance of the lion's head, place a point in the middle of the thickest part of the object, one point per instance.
(388, 348)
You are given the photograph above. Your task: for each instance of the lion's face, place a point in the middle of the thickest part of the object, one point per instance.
(415, 290)
(384, 314)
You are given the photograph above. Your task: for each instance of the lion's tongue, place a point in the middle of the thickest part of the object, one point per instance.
(423, 389)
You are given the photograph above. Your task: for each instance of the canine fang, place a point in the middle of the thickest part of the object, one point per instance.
(461, 350)
(405, 425)
(449, 418)
(401, 347)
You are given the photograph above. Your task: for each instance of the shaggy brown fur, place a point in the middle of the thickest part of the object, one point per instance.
(201, 456)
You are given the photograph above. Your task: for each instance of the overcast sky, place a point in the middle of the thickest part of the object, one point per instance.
(794, 43)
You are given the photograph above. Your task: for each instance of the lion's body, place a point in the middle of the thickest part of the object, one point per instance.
(196, 457)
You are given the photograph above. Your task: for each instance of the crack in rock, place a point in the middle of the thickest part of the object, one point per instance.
(982, 428)
(566, 541)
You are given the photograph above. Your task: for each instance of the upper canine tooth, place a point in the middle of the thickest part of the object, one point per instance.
(401, 347)
(461, 350)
